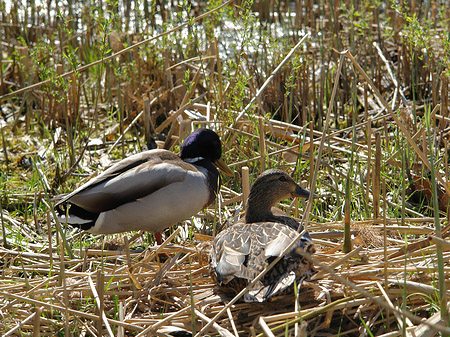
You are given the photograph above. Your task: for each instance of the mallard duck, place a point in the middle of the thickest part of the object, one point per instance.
(150, 191)
(242, 251)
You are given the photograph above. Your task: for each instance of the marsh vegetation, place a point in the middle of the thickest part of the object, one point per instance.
(349, 97)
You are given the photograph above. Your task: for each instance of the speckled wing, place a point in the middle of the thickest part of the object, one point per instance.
(244, 250)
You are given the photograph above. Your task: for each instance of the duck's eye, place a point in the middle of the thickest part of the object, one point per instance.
(282, 178)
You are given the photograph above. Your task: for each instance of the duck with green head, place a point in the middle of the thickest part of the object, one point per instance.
(149, 191)
(242, 251)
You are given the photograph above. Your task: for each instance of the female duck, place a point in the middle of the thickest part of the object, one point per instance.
(243, 250)
(150, 191)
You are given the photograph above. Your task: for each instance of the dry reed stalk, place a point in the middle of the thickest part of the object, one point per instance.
(162, 322)
(120, 329)
(394, 308)
(391, 75)
(97, 292)
(264, 327)
(219, 74)
(417, 256)
(262, 143)
(441, 242)
(444, 101)
(311, 151)
(412, 286)
(245, 186)
(369, 154)
(217, 327)
(385, 238)
(377, 177)
(232, 323)
(412, 247)
(290, 149)
(37, 322)
(17, 327)
(62, 282)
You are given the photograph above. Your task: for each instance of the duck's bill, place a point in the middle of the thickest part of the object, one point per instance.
(224, 167)
(302, 193)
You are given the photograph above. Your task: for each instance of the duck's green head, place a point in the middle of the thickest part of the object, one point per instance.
(205, 143)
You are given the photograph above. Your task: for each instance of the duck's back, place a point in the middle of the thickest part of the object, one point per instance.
(242, 251)
(130, 179)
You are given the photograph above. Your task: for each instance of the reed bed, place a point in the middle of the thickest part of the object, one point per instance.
(148, 292)
(351, 98)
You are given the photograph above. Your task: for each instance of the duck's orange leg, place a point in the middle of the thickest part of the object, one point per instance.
(158, 237)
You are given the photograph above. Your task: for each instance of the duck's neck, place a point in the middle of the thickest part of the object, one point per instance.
(257, 213)
(213, 179)
(258, 209)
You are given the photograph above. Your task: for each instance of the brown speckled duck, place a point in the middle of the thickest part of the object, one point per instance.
(150, 191)
(242, 251)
